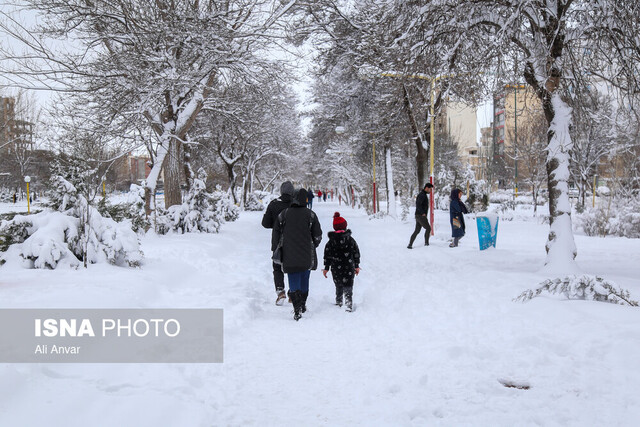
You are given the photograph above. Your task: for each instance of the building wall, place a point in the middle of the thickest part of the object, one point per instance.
(461, 124)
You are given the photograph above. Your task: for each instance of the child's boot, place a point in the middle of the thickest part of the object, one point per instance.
(348, 298)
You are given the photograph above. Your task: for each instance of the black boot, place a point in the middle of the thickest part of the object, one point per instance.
(339, 296)
(348, 298)
(303, 307)
(296, 299)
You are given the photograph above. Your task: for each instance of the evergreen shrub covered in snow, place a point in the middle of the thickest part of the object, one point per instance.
(258, 200)
(6, 195)
(583, 287)
(71, 232)
(200, 212)
(224, 202)
(132, 210)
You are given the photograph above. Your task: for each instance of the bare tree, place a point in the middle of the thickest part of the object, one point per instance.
(155, 62)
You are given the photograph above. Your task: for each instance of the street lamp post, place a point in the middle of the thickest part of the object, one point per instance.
(27, 179)
(104, 189)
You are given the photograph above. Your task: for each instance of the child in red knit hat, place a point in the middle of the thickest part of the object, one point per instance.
(342, 257)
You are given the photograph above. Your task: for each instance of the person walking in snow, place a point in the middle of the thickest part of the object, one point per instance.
(310, 199)
(342, 257)
(457, 209)
(297, 233)
(268, 220)
(421, 214)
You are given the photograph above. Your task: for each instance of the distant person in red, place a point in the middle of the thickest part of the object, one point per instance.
(319, 195)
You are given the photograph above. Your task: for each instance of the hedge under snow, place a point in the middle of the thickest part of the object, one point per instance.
(74, 231)
(200, 212)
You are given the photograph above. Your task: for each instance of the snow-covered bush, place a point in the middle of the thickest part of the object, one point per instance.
(132, 209)
(6, 195)
(627, 221)
(583, 287)
(224, 203)
(620, 218)
(49, 238)
(71, 232)
(258, 200)
(200, 212)
(594, 222)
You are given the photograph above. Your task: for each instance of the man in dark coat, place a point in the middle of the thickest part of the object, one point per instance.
(268, 220)
(457, 209)
(422, 219)
(297, 231)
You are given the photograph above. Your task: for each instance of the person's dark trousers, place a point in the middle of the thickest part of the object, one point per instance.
(421, 222)
(339, 293)
(278, 277)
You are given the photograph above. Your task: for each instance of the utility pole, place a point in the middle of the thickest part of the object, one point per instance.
(515, 131)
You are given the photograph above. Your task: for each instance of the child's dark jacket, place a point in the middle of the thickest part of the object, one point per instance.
(342, 257)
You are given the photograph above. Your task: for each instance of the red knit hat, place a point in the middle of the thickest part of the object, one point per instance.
(339, 223)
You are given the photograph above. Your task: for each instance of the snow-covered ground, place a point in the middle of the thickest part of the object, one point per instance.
(434, 336)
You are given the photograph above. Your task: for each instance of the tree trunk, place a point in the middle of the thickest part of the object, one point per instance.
(422, 154)
(231, 175)
(188, 171)
(560, 246)
(172, 166)
(391, 194)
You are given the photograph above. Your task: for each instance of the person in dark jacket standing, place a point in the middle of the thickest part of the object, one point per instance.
(297, 231)
(457, 209)
(422, 217)
(268, 220)
(342, 257)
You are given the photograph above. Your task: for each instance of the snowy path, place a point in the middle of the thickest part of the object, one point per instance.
(433, 333)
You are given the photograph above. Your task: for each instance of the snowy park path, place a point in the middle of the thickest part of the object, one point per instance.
(434, 334)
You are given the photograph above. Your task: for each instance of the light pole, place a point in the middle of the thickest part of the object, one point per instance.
(27, 179)
(104, 189)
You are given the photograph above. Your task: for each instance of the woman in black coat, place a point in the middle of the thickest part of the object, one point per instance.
(457, 209)
(297, 232)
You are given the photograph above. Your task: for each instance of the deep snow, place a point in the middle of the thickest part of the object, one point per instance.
(434, 334)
